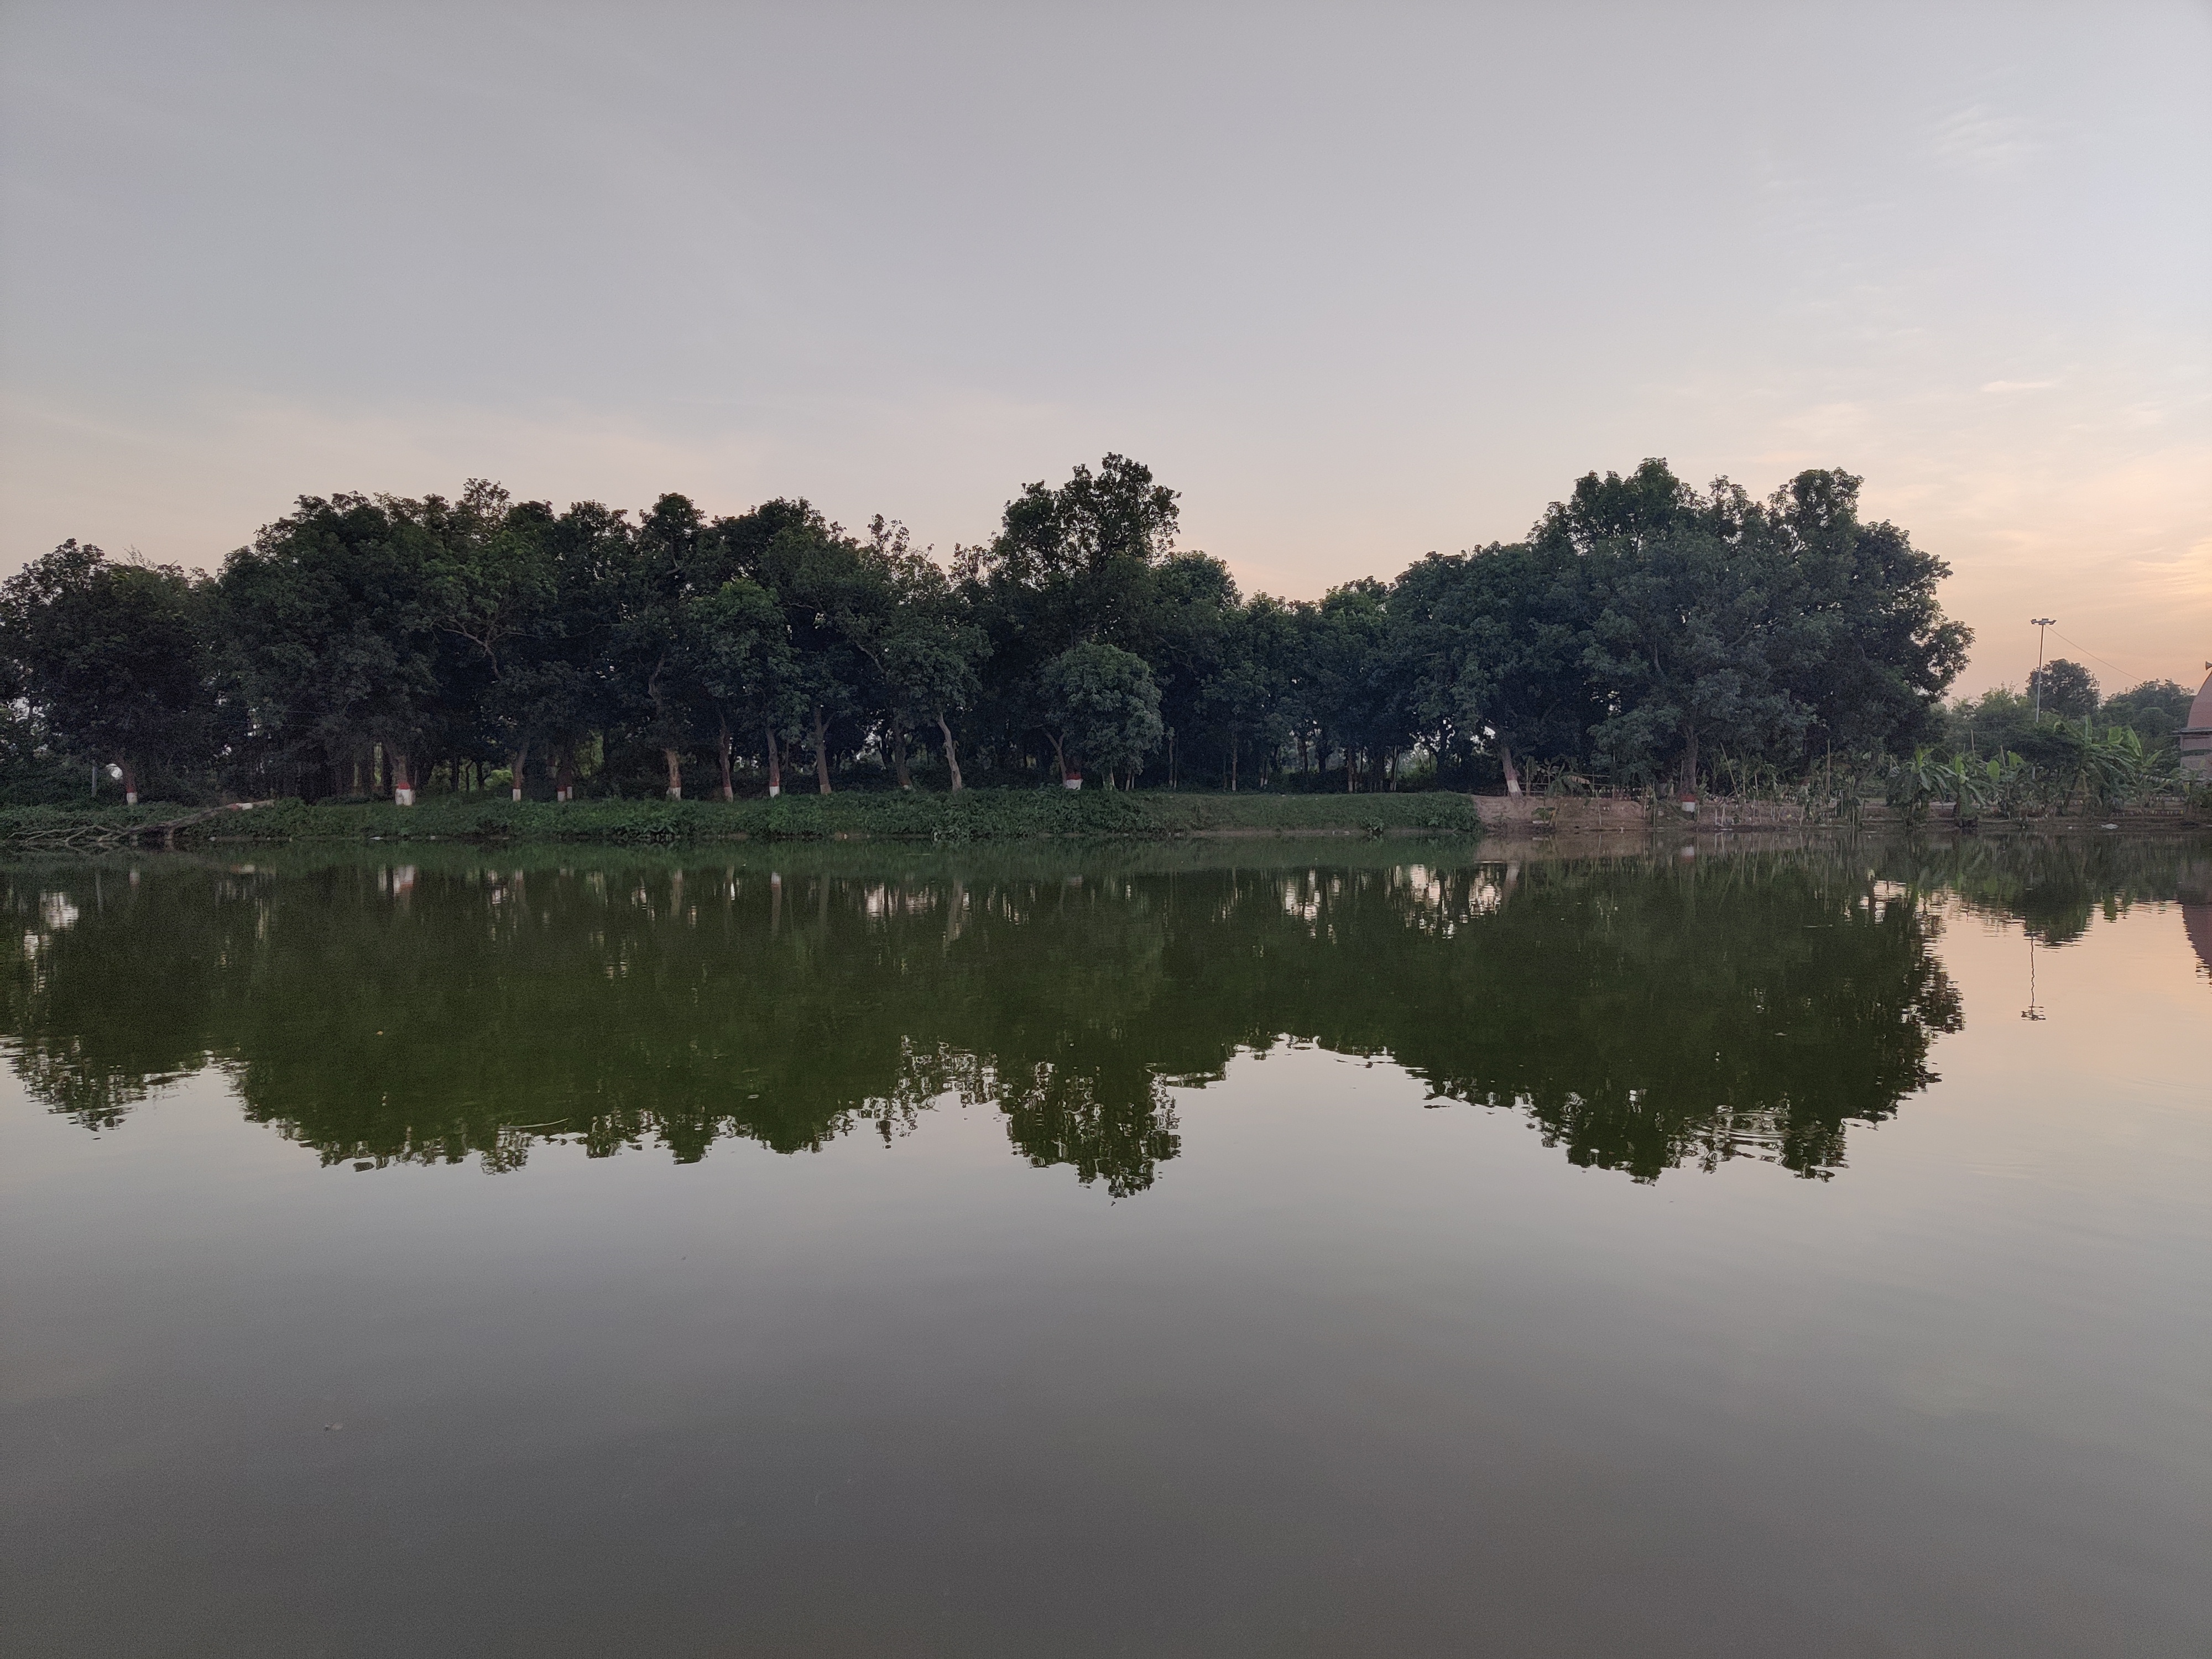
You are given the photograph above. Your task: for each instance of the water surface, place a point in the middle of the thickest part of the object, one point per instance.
(862, 1251)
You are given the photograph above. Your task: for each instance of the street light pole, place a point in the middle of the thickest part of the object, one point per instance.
(2039, 624)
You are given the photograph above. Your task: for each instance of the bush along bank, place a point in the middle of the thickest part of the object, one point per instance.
(974, 815)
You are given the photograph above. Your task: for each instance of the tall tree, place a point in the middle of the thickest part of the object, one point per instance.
(496, 590)
(738, 649)
(1488, 646)
(1250, 696)
(334, 618)
(1870, 652)
(1688, 632)
(1074, 564)
(1351, 697)
(819, 576)
(1076, 557)
(913, 626)
(658, 655)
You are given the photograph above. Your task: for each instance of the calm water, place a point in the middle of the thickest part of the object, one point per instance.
(1415, 1251)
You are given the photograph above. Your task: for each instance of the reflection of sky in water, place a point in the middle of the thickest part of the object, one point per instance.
(1363, 1368)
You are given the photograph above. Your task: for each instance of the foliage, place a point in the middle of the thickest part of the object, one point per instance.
(1643, 631)
(1103, 709)
(111, 656)
(2153, 710)
(1967, 786)
(2063, 689)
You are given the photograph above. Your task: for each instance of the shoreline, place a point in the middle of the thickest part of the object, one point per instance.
(972, 816)
(983, 816)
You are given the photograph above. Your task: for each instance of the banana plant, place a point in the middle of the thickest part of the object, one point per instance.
(1917, 784)
(2001, 781)
(2115, 765)
(1966, 785)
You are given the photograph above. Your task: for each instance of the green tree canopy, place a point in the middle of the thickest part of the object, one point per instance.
(111, 656)
(1103, 708)
(2063, 688)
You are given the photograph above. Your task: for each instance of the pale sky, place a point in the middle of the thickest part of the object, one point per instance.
(1361, 281)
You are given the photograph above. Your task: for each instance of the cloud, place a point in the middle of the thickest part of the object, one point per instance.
(1983, 139)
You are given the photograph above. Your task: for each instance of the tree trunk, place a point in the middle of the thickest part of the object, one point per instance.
(564, 774)
(1512, 773)
(1232, 766)
(675, 774)
(898, 757)
(1690, 763)
(821, 750)
(729, 788)
(1059, 754)
(129, 780)
(1350, 770)
(516, 762)
(951, 756)
(774, 764)
(402, 776)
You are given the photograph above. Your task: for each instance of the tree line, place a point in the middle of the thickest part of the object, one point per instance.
(1644, 633)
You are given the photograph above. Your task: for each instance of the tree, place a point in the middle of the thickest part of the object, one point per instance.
(110, 655)
(1102, 708)
(2064, 689)
(1186, 630)
(1866, 649)
(1687, 629)
(1488, 648)
(1990, 724)
(1249, 694)
(1346, 693)
(739, 648)
(496, 590)
(572, 685)
(659, 657)
(820, 577)
(915, 628)
(1079, 554)
(1080, 562)
(2153, 710)
(333, 617)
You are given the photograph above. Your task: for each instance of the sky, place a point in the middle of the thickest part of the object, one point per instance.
(1360, 281)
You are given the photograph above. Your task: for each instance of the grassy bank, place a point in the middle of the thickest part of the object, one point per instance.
(979, 815)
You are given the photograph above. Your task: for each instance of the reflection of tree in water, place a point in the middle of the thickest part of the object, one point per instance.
(106, 994)
(2054, 887)
(1642, 1015)
(1745, 1005)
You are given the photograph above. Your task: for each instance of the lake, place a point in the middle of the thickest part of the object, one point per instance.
(1283, 1248)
